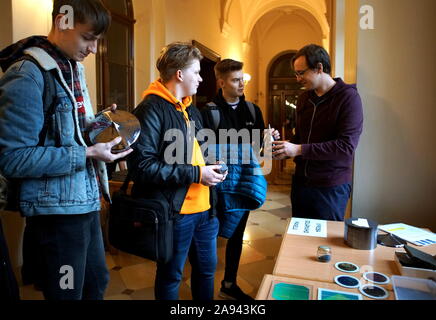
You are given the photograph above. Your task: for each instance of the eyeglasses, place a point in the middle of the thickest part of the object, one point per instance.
(300, 73)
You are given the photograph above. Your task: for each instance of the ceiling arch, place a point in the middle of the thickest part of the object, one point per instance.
(254, 10)
(268, 20)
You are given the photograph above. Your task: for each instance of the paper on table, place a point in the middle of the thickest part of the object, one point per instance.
(361, 223)
(308, 227)
(411, 234)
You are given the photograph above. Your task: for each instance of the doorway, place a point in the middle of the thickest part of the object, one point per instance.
(283, 94)
(208, 87)
(115, 58)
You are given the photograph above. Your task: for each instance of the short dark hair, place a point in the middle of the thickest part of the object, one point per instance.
(86, 11)
(176, 56)
(314, 54)
(227, 65)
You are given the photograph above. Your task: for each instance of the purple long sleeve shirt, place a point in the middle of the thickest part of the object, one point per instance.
(328, 128)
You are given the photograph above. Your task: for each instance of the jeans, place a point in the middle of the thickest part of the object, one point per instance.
(71, 260)
(194, 235)
(234, 250)
(324, 203)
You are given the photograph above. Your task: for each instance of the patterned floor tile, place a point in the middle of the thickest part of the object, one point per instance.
(116, 284)
(256, 232)
(284, 212)
(267, 246)
(124, 259)
(138, 276)
(271, 205)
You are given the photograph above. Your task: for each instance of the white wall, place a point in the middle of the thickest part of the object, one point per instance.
(395, 167)
(149, 39)
(31, 17)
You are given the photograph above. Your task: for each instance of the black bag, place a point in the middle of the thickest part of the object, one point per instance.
(140, 226)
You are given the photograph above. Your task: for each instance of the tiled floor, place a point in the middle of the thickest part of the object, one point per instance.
(132, 278)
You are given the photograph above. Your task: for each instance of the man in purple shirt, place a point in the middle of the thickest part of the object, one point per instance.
(329, 124)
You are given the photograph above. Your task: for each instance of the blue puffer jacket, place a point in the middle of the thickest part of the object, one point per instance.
(244, 188)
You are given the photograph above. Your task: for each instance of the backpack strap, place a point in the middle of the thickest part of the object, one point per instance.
(215, 114)
(216, 117)
(252, 110)
(49, 102)
(48, 98)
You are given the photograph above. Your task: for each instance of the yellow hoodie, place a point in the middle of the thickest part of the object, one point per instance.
(197, 198)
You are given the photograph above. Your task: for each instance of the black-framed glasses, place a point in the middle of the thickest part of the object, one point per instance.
(300, 73)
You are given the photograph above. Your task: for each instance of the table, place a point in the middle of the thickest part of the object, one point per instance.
(297, 260)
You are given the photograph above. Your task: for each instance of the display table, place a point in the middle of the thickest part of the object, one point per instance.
(297, 260)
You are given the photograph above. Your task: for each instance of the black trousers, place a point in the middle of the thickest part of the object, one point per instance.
(327, 203)
(8, 284)
(234, 250)
(68, 256)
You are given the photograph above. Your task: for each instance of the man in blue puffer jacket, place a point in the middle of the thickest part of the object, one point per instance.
(238, 114)
(243, 190)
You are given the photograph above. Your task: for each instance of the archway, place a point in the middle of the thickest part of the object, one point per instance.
(283, 93)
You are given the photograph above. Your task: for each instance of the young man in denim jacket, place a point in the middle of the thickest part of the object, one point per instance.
(59, 178)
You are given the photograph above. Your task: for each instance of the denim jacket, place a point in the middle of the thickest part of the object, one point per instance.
(54, 179)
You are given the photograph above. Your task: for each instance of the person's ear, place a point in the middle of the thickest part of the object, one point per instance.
(58, 22)
(179, 75)
(220, 83)
(320, 67)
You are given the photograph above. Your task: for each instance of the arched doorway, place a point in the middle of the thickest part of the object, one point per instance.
(283, 94)
(115, 58)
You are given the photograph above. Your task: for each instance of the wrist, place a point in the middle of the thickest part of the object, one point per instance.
(200, 175)
(90, 152)
(299, 150)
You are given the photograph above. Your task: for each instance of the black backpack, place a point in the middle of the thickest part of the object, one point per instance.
(9, 188)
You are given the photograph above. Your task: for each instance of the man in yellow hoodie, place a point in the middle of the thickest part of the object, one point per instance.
(169, 119)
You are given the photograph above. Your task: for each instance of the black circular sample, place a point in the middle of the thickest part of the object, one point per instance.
(347, 281)
(347, 267)
(374, 292)
(376, 277)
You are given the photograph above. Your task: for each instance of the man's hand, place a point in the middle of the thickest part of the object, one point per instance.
(273, 132)
(210, 176)
(112, 108)
(284, 149)
(103, 151)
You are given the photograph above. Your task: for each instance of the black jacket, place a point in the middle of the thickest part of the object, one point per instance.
(151, 173)
(238, 119)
